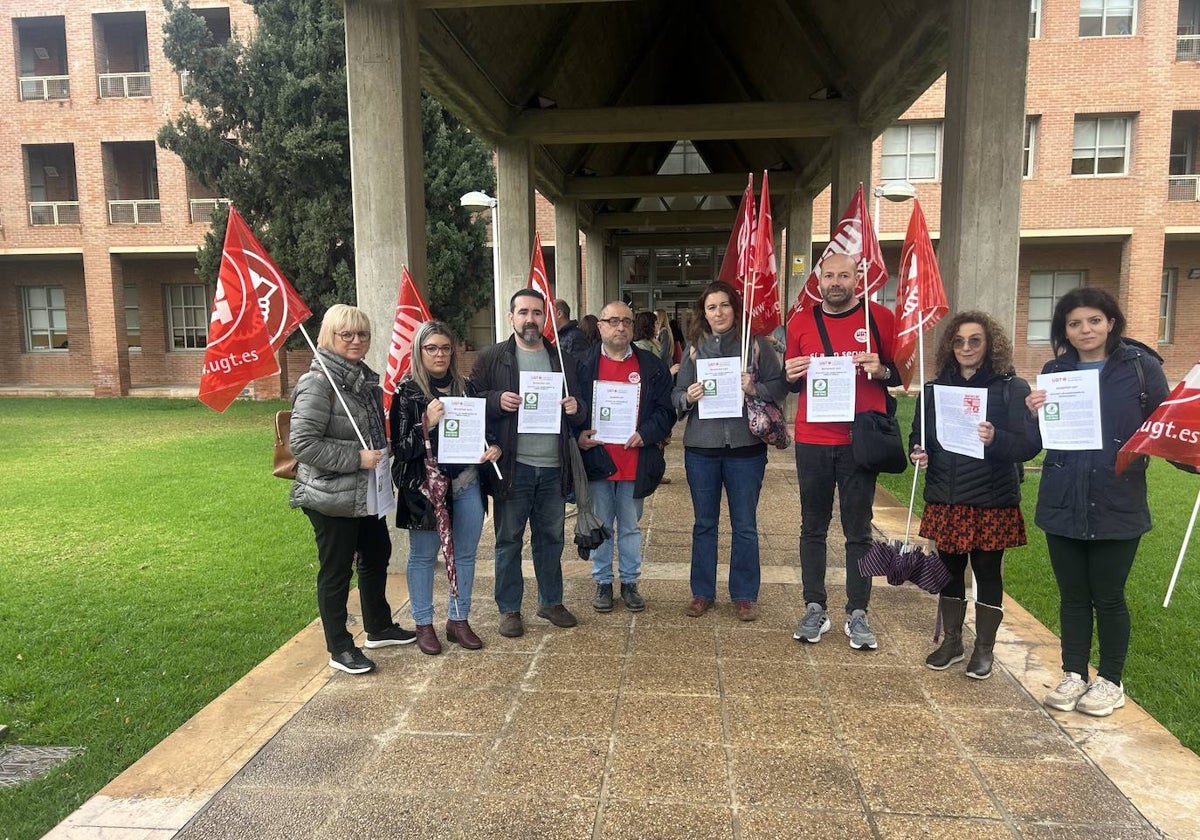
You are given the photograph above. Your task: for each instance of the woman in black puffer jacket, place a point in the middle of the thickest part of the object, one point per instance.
(972, 505)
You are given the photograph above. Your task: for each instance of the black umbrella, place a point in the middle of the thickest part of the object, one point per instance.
(589, 530)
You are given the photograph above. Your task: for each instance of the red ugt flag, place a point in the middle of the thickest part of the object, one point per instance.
(854, 236)
(762, 293)
(239, 345)
(411, 312)
(1172, 431)
(920, 296)
(541, 282)
(282, 308)
(735, 265)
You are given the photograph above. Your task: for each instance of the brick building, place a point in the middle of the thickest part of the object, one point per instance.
(99, 227)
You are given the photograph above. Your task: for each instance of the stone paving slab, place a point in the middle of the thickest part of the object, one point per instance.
(658, 725)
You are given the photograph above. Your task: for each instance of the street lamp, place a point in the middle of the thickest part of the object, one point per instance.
(893, 191)
(476, 200)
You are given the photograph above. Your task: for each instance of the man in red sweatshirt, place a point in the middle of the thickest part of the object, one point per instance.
(837, 327)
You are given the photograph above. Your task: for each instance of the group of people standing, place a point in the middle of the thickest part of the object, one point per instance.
(1093, 518)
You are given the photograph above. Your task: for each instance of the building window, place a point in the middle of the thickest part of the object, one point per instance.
(188, 310)
(1101, 146)
(1045, 288)
(910, 152)
(133, 324)
(1106, 17)
(1166, 305)
(1035, 18)
(45, 317)
(1031, 129)
(887, 292)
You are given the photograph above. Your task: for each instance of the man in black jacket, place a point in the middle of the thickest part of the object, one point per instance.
(621, 474)
(536, 466)
(570, 338)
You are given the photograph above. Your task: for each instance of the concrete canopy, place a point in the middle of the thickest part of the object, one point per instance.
(602, 90)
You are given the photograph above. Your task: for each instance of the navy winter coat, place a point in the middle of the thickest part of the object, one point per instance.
(1081, 496)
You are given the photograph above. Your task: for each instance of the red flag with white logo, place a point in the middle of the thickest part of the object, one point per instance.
(411, 312)
(855, 237)
(539, 280)
(239, 346)
(1172, 431)
(282, 307)
(735, 265)
(763, 297)
(920, 296)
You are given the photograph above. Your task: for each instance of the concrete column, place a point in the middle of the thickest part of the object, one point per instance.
(594, 240)
(797, 263)
(383, 84)
(851, 166)
(104, 287)
(982, 153)
(517, 219)
(567, 278)
(1141, 282)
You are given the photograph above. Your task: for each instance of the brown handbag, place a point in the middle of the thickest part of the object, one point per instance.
(284, 465)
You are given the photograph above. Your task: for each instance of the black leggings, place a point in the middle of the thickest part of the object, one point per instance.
(987, 566)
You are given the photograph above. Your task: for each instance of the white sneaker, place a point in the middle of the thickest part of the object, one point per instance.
(1101, 698)
(1067, 693)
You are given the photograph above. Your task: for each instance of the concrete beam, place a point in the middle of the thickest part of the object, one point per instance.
(594, 240)
(567, 278)
(652, 219)
(639, 186)
(453, 76)
(647, 123)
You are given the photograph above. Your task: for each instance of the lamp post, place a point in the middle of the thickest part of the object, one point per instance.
(476, 200)
(893, 191)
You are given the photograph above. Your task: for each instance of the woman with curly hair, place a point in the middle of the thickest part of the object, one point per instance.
(973, 505)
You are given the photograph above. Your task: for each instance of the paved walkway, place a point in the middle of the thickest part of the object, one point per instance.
(657, 725)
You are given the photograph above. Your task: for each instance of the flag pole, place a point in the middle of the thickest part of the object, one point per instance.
(1182, 549)
(747, 309)
(912, 503)
(554, 326)
(336, 390)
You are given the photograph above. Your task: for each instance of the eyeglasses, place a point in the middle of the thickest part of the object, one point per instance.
(974, 342)
(361, 335)
(437, 349)
(617, 322)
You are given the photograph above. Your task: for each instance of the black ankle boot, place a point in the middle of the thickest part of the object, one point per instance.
(951, 650)
(987, 622)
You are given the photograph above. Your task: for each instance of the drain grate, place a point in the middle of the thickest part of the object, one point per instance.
(24, 764)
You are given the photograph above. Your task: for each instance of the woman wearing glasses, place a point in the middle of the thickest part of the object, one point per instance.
(720, 452)
(418, 402)
(332, 474)
(972, 505)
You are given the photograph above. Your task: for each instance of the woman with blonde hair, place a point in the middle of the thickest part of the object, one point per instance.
(418, 403)
(333, 472)
(666, 341)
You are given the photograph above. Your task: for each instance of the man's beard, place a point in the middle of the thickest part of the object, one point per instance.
(530, 333)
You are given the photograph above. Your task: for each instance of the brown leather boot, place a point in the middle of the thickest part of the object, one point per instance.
(953, 611)
(427, 640)
(987, 622)
(461, 633)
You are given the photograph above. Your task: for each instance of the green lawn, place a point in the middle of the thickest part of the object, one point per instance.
(1160, 673)
(150, 560)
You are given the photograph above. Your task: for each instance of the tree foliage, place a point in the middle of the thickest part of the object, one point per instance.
(268, 129)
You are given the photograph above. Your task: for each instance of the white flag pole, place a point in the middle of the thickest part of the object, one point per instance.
(552, 307)
(1182, 549)
(336, 390)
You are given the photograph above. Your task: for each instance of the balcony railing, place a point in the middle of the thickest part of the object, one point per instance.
(124, 85)
(53, 213)
(142, 211)
(1187, 48)
(45, 87)
(1183, 188)
(202, 208)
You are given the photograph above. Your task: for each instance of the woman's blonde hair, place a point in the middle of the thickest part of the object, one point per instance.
(341, 317)
(420, 373)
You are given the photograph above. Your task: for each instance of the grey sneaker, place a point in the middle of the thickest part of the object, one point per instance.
(813, 626)
(1101, 698)
(1066, 694)
(859, 631)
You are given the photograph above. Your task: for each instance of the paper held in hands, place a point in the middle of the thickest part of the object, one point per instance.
(540, 411)
(615, 411)
(381, 498)
(1070, 417)
(460, 431)
(958, 412)
(722, 381)
(829, 389)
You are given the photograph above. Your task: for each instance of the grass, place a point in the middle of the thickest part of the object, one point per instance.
(1160, 673)
(150, 560)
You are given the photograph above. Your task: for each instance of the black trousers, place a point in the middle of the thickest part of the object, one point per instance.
(338, 539)
(1091, 577)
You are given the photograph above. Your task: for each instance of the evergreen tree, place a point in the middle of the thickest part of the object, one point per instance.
(269, 130)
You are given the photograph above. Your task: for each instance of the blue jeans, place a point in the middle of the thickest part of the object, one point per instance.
(535, 498)
(617, 510)
(820, 468)
(466, 522)
(742, 479)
